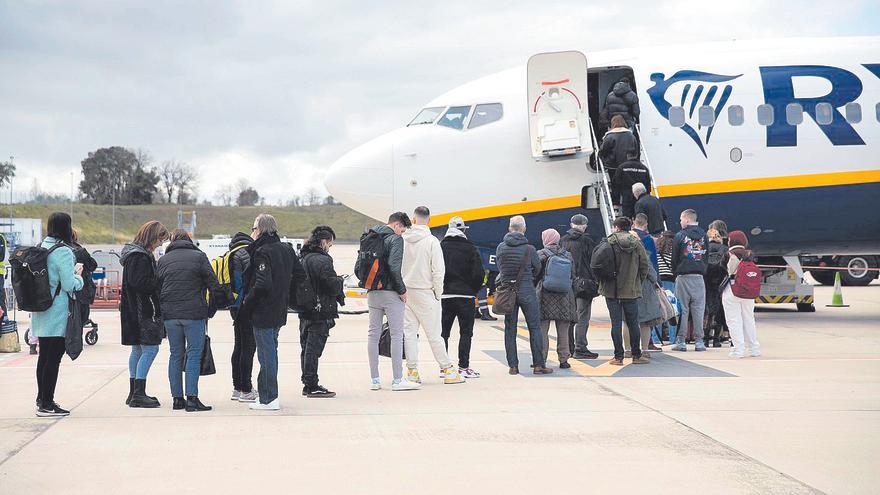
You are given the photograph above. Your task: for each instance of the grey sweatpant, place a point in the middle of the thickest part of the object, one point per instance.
(384, 303)
(690, 290)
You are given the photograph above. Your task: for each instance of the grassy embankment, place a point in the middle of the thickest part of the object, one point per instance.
(94, 222)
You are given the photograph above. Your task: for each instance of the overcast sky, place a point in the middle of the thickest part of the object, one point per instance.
(275, 91)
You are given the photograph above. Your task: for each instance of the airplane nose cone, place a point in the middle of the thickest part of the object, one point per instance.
(362, 178)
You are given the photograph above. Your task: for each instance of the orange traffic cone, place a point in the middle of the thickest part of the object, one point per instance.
(837, 297)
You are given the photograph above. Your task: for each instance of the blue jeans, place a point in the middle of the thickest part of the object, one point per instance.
(527, 299)
(672, 328)
(140, 360)
(185, 337)
(267, 354)
(618, 310)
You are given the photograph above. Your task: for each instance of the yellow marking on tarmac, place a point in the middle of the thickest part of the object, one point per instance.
(604, 369)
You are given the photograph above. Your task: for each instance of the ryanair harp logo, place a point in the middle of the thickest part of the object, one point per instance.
(698, 89)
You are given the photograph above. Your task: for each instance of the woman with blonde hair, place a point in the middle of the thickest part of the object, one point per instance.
(139, 309)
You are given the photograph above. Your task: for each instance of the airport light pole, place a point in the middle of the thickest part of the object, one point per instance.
(12, 161)
(71, 197)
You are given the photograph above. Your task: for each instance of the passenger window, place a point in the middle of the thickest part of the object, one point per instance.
(676, 116)
(706, 116)
(454, 117)
(765, 114)
(794, 114)
(824, 113)
(735, 115)
(427, 116)
(486, 114)
(853, 112)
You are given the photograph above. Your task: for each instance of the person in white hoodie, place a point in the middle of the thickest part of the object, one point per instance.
(423, 272)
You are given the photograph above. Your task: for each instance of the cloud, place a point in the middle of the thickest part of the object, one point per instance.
(275, 91)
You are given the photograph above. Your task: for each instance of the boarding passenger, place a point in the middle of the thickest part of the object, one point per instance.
(667, 276)
(650, 206)
(620, 263)
(721, 227)
(630, 172)
(689, 262)
(86, 295)
(650, 312)
(617, 143)
(273, 272)
(244, 346)
(640, 228)
(463, 279)
(139, 309)
(423, 272)
(581, 246)
(387, 299)
(316, 321)
(621, 101)
(740, 312)
(716, 273)
(516, 256)
(50, 326)
(185, 277)
(556, 295)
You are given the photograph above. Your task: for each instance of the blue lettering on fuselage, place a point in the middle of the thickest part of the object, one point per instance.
(779, 92)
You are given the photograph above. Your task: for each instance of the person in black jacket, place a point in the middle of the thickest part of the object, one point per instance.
(85, 296)
(617, 143)
(461, 282)
(651, 207)
(185, 275)
(630, 172)
(315, 323)
(581, 246)
(270, 283)
(245, 347)
(139, 302)
(622, 101)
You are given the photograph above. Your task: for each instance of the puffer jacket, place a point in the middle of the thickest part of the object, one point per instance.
(555, 305)
(464, 266)
(185, 275)
(623, 101)
(632, 265)
(140, 292)
(318, 264)
(423, 266)
(509, 257)
(616, 144)
(649, 303)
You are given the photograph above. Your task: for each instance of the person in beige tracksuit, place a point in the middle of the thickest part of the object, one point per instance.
(423, 272)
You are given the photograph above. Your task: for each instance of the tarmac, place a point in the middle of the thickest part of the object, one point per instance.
(803, 418)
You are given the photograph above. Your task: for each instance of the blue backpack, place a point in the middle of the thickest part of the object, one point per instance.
(557, 274)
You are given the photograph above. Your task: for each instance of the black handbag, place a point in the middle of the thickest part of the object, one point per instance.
(385, 342)
(505, 293)
(207, 366)
(585, 288)
(152, 329)
(73, 335)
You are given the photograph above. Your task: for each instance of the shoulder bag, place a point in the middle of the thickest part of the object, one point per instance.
(505, 293)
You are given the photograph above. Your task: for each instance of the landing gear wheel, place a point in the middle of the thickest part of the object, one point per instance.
(92, 337)
(806, 308)
(824, 277)
(856, 273)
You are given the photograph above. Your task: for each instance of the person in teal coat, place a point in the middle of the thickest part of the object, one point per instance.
(51, 325)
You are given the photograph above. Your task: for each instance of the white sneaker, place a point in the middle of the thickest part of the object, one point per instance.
(468, 373)
(736, 355)
(251, 396)
(275, 405)
(376, 384)
(412, 374)
(405, 385)
(235, 395)
(755, 353)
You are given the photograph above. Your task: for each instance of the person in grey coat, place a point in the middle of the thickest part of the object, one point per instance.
(556, 307)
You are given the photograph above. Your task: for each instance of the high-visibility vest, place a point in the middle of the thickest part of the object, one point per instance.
(3, 259)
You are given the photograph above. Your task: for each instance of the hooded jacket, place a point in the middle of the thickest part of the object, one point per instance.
(615, 146)
(394, 258)
(273, 272)
(184, 275)
(464, 266)
(241, 260)
(423, 266)
(318, 264)
(581, 247)
(689, 255)
(509, 257)
(140, 290)
(631, 262)
(623, 101)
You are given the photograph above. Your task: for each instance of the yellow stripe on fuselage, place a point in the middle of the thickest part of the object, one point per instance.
(671, 190)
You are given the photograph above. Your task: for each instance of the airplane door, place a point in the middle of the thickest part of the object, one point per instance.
(557, 99)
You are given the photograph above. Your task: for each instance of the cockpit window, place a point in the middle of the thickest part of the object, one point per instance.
(486, 114)
(427, 116)
(454, 117)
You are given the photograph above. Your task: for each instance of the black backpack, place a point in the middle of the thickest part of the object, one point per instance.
(606, 269)
(306, 296)
(30, 277)
(371, 267)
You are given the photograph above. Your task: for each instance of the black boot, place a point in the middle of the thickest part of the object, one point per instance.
(485, 315)
(145, 391)
(179, 403)
(140, 399)
(193, 404)
(33, 349)
(130, 391)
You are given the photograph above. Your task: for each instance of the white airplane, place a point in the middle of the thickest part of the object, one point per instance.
(777, 137)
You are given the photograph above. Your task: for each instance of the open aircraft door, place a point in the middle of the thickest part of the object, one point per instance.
(557, 98)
